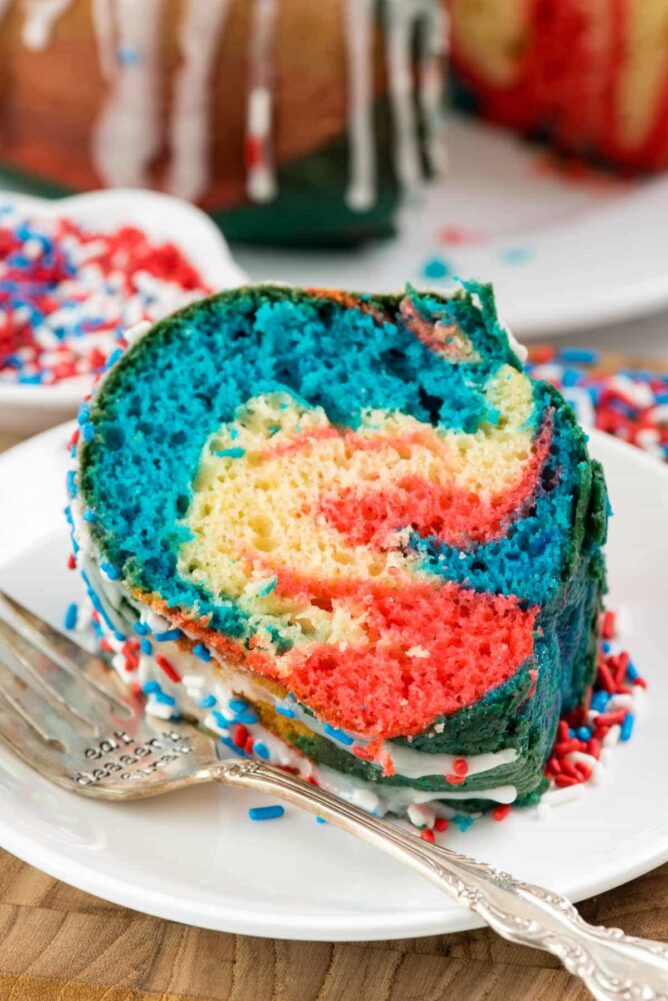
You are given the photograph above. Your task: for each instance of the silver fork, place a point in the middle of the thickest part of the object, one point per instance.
(66, 714)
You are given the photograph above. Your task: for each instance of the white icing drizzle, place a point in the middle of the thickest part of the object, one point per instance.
(433, 38)
(401, 15)
(361, 191)
(40, 19)
(191, 125)
(261, 178)
(409, 763)
(103, 23)
(127, 135)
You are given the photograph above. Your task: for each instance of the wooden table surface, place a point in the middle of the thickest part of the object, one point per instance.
(59, 944)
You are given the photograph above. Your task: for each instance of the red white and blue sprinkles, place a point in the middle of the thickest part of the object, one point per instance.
(67, 293)
(631, 404)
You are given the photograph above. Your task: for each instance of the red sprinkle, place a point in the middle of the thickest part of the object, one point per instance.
(428, 835)
(455, 780)
(460, 766)
(441, 824)
(168, 668)
(609, 719)
(501, 812)
(240, 735)
(71, 562)
(608, 625)
(566, 780)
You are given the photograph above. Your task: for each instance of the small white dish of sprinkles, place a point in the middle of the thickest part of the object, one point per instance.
(290, 877)
(76, 272)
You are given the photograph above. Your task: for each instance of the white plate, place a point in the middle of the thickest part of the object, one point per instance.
(26, 409)
(563, 253)
(196, 857)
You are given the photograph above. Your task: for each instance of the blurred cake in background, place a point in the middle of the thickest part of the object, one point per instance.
(590, 76)
(291, 121)
(305, 122)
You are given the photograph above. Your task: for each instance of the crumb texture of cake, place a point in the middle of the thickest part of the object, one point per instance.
(360, 515)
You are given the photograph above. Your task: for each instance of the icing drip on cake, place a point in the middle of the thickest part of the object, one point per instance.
(261, 181)
(104, 33)
(129, 132)
(402, 16)
(361, 193)
(199, 42)
(40, 18)
(433, 41)
(127, 136)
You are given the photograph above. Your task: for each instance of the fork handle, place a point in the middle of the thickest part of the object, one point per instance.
(614, 966)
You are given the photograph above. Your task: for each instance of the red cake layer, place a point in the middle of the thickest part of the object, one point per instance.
(452, 514)
(442, 648)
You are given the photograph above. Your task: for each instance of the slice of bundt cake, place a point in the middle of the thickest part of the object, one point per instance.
(350, 534)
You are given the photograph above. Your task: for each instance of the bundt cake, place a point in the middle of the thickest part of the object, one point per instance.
(350, 534)
(590, 76)
(291, 121)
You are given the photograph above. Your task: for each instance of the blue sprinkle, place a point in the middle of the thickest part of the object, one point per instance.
(83, 415)
(71, 616)
(221, 720)
(238, 705)
(208, 702)
(71, 484)
(168, 700)
(113, 358)
(607, 647)
(627, 727)
(127, 55)
(248, 718)
(87, 431)
(146, 647)
(579, 356)
(201, 651)
(436, 267)
(320, 820)
(583, 733)
(462, 822)
(516, 255)
(570, 377)
(599, 701)
(632, 671)
(151, 688)
(266, 812)
(119, 636)
(571, 733)
(231, 453)
(111, 571)
(661, 397)
(340, 735)
(261, 750)
(233, 747)
(283, 711)
(168, 635)
(90, 516)
(141, 628)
